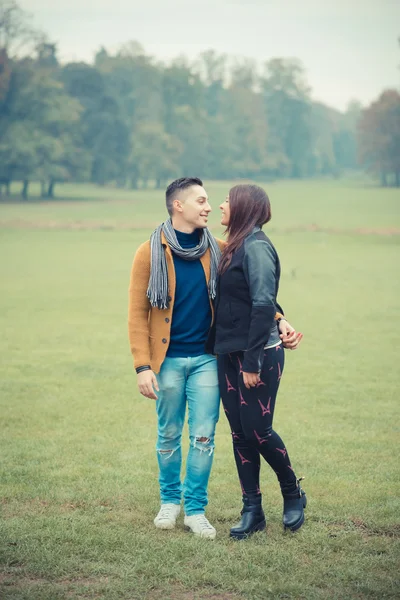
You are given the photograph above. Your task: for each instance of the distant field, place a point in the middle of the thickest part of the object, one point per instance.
(78, 477)
(341, 205)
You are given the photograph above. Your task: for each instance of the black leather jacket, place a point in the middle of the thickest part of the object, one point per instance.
(246, 302)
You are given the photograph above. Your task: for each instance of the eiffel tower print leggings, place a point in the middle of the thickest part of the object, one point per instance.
(250, 413)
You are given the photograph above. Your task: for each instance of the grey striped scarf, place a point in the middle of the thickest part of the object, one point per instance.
(157, 291)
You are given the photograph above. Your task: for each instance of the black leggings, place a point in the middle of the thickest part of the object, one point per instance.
(250, 413)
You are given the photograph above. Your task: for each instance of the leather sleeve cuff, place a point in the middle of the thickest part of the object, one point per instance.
(252, 361)
(143, 368)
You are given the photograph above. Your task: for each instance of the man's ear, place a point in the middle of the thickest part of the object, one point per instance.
(177, 204)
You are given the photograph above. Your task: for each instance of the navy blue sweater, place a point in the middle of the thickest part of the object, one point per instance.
(191, 317)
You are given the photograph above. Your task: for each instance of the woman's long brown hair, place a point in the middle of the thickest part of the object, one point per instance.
(249, 207)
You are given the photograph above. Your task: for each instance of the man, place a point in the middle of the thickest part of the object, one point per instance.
(172, 287)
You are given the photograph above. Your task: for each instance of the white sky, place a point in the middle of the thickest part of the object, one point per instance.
(349, 48)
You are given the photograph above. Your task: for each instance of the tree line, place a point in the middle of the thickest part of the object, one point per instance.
(130, 120)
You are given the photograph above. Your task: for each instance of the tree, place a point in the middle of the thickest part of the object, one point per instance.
(180, 87)
(127, 119)
(211, 69)
(324, 123)
(71, 163)
(17, 37)
(40, 130)
(155, 155)
(104, 130)
(132, 84)
(288, 113)
(345, 137)
(46, 55)
(379, 137)
(191, 130)
(5, 74)
(245, 113)
(18, 154)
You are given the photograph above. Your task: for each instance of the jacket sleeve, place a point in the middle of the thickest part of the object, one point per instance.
(259, 265)
(139, 307)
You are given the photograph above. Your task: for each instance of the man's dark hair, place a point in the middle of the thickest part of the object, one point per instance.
(177, 186)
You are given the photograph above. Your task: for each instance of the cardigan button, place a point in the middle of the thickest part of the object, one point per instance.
(169, 298)
(167, 320)
(164, 341)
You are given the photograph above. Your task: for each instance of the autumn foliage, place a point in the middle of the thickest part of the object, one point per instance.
(379, 137)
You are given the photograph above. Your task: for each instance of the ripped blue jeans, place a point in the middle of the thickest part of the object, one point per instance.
(191, 381)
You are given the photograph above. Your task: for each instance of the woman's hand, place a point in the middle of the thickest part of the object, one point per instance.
(289, 336)
(251, 379)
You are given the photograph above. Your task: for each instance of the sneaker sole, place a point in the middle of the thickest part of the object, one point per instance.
(212, 536)
(165, 525)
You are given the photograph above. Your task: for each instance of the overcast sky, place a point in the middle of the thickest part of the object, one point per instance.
(349, 48)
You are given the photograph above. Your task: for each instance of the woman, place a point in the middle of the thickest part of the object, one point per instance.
(251, 357)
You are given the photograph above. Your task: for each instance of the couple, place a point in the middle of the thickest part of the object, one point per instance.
(204, 324)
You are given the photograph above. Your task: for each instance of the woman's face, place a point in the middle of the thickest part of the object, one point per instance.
(226, 213)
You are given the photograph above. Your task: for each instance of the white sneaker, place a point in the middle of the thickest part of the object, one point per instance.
(200, 526)
(166, 518)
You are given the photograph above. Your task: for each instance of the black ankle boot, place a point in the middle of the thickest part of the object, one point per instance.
(253, 518)
(293, 508)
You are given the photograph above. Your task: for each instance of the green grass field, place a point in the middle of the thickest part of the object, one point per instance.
(78, 479)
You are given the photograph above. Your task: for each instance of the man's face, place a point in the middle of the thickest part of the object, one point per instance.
(193, 207)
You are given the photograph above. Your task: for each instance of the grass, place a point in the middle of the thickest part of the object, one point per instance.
(78, 472)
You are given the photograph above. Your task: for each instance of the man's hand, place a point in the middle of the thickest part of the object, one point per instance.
(147, 383)
(290, 338)
(251, 379)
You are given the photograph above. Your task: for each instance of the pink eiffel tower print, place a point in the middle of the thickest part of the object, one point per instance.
(271, 368)
(241, 485)
(240, 366)
(242, 400)
(235, 436)
(260, 383)
(226, 411)
(259, 440)
(258, 491)
(277, 348)
(279, 372)
(265, 411)
(242, 458)
(289, 467)
(229, 386)
(284, 452)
